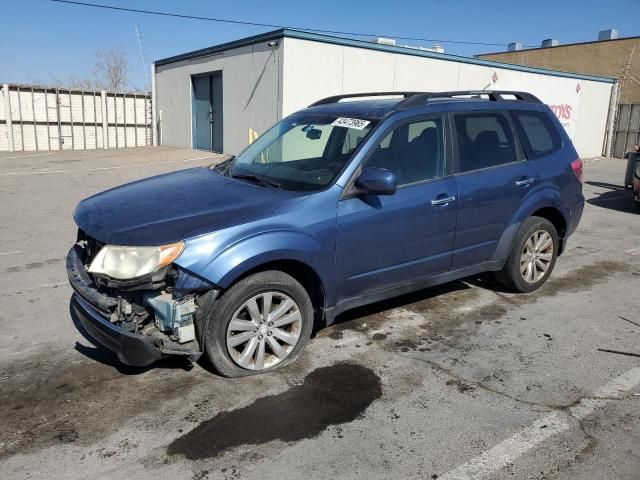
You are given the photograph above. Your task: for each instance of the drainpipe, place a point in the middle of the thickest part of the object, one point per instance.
(612, 120)
(154, 121)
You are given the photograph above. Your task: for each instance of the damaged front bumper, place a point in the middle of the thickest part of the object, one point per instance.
(100, 315)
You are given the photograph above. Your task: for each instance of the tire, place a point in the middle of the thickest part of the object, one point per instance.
(516, 275)
(244, 303)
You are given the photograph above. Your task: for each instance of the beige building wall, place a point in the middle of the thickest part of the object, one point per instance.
(250, 89)
(313, 70)
(604, 59)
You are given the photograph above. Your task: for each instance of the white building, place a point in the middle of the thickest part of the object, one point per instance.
(221, 98)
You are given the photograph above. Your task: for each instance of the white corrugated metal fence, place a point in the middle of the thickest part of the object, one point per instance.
(34, 118)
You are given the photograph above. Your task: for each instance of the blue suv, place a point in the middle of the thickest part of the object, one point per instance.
(352, 200)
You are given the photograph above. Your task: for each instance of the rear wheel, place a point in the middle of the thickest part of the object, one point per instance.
(261, 323)
(532, 258)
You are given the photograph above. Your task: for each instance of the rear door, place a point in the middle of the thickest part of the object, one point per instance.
(493, 178)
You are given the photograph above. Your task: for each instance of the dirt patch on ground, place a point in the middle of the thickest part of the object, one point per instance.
(33, 265)
(582, 278)
(328, 396)
(461, 385)
(47, 401)
(443, 307)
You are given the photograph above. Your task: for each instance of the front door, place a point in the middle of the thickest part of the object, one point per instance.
(207, 112)
(493, 178)
(384, 241)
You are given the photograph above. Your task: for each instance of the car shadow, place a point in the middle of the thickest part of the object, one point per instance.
(616, 198)
(400, 301)
(107, 357)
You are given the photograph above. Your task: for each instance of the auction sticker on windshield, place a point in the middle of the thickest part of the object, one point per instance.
(356, 123)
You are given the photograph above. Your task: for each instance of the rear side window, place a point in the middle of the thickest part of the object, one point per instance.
(484, 140)
(539, 133)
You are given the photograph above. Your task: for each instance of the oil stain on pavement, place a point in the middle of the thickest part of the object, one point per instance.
(329, 396)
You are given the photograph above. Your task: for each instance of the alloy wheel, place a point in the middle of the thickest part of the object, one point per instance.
(264, 330)
(536, 256)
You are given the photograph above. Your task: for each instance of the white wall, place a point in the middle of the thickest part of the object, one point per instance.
(61, 119)
(313, 70)
(250, 86)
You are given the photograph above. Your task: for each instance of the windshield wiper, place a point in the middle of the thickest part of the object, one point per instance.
(223, 167)
(256, 179)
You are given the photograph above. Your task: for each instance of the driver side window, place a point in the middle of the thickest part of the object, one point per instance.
(414, 152)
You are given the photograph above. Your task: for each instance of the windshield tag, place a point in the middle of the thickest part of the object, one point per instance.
(356, 123)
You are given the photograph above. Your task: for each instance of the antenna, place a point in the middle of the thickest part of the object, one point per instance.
(144, 64)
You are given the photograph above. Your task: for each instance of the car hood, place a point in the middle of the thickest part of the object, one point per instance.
(174, 206)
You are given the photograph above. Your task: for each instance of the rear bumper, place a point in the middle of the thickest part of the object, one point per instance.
(575, 214)
(131, 348)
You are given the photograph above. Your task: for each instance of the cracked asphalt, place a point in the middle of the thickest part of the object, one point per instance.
(459, 381)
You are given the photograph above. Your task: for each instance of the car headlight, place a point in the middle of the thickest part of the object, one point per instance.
(124, 263)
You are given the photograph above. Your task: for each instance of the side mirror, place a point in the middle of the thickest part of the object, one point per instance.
(376, 181)
(314, 133)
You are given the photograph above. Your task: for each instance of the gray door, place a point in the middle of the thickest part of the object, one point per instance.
(628, 129)
(207, 112)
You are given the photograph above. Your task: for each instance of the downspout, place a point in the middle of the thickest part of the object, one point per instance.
(612, 120)
(154, 120)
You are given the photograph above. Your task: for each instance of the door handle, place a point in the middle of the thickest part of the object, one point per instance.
(443, 201)
(525, 181)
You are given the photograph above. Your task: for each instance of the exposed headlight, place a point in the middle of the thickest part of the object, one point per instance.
(124, 263)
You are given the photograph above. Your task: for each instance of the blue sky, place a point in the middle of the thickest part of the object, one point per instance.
(42, 40)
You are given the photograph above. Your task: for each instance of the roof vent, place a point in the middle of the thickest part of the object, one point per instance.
(512, 47)
(550, 42)
(385, 41)
(610, 34)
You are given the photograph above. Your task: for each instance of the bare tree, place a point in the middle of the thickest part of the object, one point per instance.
(110, 72)
(111, 69)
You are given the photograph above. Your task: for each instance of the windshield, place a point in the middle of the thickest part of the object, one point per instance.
(302, 152)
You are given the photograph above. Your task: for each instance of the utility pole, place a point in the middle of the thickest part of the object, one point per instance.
(144, 64)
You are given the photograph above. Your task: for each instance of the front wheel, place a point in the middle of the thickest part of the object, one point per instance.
(532, 258)
(261, 323)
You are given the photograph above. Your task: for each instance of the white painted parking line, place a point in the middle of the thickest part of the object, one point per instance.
(115, 167)
(50, 285)
(10, 253)
(509, 450)
(24, 156)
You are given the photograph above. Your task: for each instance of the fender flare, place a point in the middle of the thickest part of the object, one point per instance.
(526, 210)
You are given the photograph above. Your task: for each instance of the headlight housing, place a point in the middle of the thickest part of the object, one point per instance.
(124, 263)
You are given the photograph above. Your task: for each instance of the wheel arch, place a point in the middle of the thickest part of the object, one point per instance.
(549, 212)
(302, 272)
(555, 216)
(298, 254)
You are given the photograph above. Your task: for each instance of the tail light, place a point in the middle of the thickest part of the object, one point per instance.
(576, 166)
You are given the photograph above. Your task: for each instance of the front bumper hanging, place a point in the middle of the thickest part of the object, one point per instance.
(93, 309)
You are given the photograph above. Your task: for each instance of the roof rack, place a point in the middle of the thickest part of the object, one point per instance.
(492, 95)
(337, 98)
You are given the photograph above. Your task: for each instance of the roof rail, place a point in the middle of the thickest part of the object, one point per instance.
(492, 95)
(337, 98)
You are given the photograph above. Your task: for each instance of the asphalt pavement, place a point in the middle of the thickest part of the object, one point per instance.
(454, 382)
